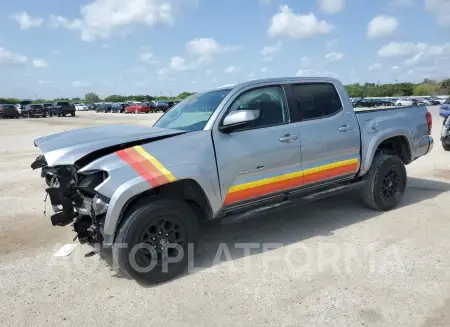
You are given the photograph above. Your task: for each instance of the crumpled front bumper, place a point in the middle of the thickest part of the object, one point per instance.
(71, 202)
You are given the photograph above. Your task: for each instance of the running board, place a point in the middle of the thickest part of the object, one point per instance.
(288, 203)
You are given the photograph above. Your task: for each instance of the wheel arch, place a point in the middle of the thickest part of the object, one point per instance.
(186, 190)
(397, 144)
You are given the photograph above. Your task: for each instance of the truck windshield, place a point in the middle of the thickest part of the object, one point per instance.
(192, 113)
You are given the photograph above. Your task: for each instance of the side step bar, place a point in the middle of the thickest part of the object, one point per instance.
(288, 203)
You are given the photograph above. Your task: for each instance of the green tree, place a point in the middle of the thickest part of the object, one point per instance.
(425, 89)
(91, 98)
(183, 95)
(115, 98)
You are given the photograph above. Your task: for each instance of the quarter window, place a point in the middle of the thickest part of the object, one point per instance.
(270, 103)
(316, 100)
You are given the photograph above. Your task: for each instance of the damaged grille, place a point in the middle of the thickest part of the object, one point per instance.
(74, 198)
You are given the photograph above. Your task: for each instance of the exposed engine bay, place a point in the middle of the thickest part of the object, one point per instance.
(74, 198)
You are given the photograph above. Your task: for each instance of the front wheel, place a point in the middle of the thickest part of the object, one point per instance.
(152, 246)
(385, 182)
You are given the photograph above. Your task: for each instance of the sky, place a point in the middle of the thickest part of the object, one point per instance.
(54, 48)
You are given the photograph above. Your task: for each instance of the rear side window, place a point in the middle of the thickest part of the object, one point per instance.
(316, 100)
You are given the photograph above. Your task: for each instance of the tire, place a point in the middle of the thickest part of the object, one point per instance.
(72, 113)
(140, 218)
(446, 147)
(30, 115)
(373, 193)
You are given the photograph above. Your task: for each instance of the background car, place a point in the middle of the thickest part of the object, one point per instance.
(81, 107)
(118, 107)
(103, 107)
(138, 107)
(445, 134)
(161, 106)
(34, 110)
(444, 110)
(47, 106)
(62, 108)
(9, 111)
(404, 102)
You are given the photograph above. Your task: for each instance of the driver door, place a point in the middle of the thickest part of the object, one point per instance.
(262, 159)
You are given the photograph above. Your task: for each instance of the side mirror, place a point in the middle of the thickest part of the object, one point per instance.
(238, 118)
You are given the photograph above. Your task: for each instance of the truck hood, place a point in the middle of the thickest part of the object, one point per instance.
(69, 147)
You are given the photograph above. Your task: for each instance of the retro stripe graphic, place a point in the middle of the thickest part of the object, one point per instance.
(266, 186)
(146, 166)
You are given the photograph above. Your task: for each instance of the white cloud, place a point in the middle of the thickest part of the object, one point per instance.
(382, 26)
(331, 7)
(271, 49)
(179, 64)
(265, 69)
(39, 63)
(147, 57)
(230, 69)
(287, 23)
(78, 83)
(206, 47)
(26, 21)
(9, 58)
(102, 18)
(395, 67)
(405, 49)
(441, 8)
(414, 60)
(376, 66)
(41, 82)
(308, 72)
(334, 56)
(331, 44)
(267, 59)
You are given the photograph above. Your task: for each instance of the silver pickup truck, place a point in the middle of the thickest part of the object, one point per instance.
(226, 153)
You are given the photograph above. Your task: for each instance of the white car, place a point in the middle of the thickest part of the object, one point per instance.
(81, 107)
(404, 102)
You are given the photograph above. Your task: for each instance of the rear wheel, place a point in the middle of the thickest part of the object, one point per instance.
(30, 115)
(152, 244)
(72, 113)
(385, 182)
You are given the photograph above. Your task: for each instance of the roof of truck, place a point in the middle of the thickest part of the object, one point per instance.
(280, 80)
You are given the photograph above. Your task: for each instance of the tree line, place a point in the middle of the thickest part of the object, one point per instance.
(426, 87)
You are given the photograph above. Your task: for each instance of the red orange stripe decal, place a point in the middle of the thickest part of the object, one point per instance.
(256, 189)
(151, 170)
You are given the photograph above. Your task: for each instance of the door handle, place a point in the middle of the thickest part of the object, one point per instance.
(288, 138)
(345, 128)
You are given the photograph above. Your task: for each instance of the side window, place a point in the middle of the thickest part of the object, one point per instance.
(270, 103)
(316, 100)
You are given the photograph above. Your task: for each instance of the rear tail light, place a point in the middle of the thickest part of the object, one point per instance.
(429, 122)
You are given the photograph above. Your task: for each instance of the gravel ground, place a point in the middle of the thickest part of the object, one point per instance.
(330, 263)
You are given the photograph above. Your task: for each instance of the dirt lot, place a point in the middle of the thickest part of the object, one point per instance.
(333, 263)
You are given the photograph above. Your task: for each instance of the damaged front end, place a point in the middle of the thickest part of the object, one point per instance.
(74, 198)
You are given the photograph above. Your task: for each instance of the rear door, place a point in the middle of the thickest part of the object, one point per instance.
(328, 130)
(261, 160)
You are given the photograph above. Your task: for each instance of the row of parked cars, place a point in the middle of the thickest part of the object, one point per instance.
(128, 107)
(32, 110)
(387, 102)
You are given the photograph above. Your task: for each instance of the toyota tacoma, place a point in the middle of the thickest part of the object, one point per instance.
(226, 153)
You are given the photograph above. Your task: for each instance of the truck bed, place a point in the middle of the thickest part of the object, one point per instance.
(378, 124)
